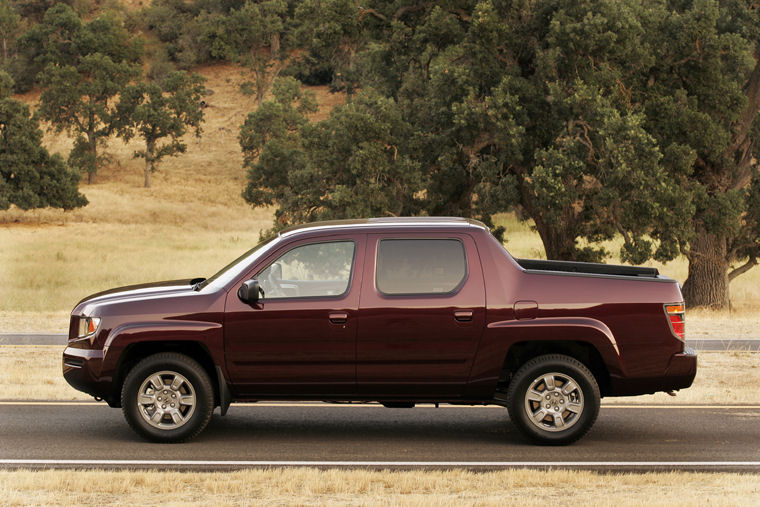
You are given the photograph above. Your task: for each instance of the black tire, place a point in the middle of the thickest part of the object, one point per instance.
(568, 416)
(179, 420)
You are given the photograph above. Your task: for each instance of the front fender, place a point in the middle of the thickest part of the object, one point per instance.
(208, 334)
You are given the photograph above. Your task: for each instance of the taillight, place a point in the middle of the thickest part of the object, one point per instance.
(676, 316)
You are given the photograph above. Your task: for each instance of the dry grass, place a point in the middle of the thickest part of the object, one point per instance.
(132, 235)
(34, 372)
(309, 486)
(722, 377)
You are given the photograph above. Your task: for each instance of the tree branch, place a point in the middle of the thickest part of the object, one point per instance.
(751, 263)
(410, 8)
(744, 124)
(364, 11)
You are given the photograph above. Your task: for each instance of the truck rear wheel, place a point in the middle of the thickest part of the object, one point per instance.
(167, 397)
(553, 399)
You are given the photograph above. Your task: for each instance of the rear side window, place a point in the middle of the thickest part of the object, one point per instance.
(420, 266)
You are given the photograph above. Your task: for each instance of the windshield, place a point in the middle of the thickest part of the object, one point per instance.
(236, 267)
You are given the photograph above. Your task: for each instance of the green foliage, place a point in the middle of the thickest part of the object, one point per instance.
(251, 37)
(11, 26)
(331, 34)
(29, 176)
(35, 10)
(6, 85)
(10, 22)
(153, 111)
(355, 163)
(186, 29)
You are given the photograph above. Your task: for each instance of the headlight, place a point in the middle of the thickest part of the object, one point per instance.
(88, 326)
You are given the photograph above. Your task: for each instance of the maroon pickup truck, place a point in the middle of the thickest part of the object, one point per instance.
(398, 311)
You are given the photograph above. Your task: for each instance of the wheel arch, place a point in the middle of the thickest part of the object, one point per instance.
(135, 352)
(522, 352)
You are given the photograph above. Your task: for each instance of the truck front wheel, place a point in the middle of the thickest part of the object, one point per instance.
(167, 397)
(553, 399)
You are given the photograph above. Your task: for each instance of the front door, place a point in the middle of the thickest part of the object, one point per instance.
(300, 338)
(422, 315)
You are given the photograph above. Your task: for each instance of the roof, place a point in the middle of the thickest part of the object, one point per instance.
(386, 222)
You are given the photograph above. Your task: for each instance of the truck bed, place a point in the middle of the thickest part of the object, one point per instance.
(587, 267)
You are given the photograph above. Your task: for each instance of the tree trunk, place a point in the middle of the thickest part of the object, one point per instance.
(93, 149)
(707, 284)
(559, 243)
(274, 45)
(149, 147)
(5, 51)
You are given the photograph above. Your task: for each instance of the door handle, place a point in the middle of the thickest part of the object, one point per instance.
(338, 317)
(463, 315)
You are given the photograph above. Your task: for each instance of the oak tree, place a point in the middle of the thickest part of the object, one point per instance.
(86, 66)
(158, 111)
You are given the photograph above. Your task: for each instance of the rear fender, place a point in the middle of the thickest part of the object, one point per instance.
(571, 329)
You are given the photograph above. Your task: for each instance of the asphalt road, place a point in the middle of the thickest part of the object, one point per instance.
(629, 437)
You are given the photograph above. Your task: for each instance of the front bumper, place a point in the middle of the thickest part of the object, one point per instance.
(82, 369)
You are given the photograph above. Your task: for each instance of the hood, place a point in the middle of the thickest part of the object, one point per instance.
(140, 291)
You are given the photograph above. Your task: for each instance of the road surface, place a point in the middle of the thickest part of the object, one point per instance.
(627, 437)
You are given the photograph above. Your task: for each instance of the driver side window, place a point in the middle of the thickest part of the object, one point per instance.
(315, 270)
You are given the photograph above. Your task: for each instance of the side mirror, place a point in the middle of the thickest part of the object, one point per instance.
(249, 292)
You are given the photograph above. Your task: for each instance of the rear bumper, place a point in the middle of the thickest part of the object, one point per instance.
(680, 373)
(82, 368)
(682, 369)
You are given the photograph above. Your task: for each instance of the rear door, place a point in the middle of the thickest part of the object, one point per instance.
(422, 314)
(300, 338)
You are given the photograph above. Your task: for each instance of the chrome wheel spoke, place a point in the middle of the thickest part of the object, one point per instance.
(569, 387)
(157, 382)
(534, 395)
(157, 416)
(146, 399)
(187, 400)
(549, 381)
(176, 382)
(177, 417)
(559, 421)
(573, 407)
(539, 416)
